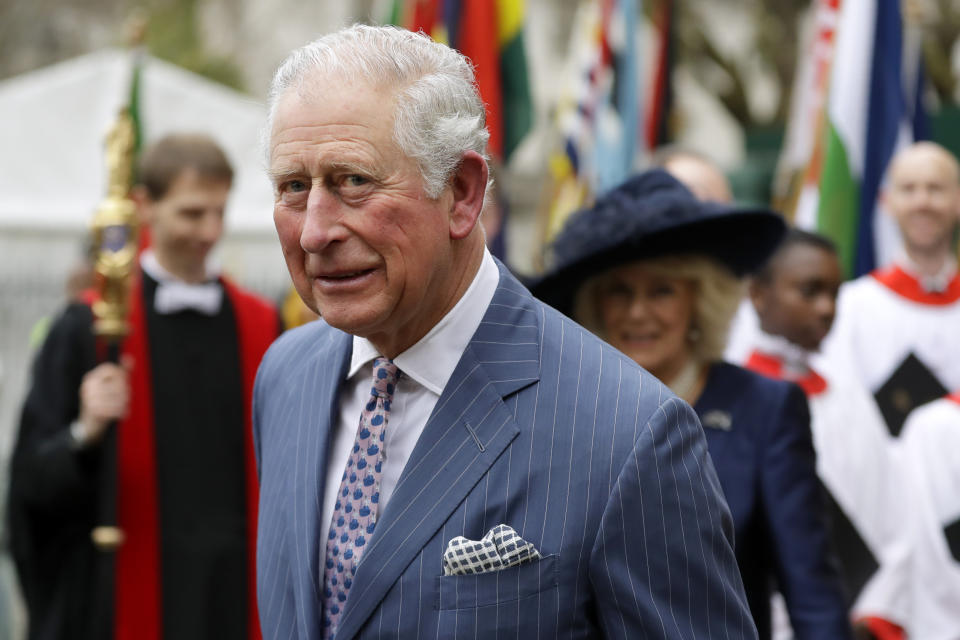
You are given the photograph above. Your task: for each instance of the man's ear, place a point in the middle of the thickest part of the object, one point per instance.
(883, 198)
(144, 204)
(755, 290)
(469, 184)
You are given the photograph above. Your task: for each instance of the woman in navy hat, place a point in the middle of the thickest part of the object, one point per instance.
(656, 273)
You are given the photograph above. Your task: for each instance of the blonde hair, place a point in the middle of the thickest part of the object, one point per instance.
(717, 294)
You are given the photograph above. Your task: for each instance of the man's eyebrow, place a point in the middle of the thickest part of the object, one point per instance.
(338, 166)
(279, 175)
(345, 166)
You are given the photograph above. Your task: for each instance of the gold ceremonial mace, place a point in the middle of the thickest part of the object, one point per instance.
(115, 241)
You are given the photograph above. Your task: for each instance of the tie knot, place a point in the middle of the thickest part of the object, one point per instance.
(385, 375)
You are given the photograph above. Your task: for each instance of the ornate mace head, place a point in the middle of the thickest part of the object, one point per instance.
(114, 230)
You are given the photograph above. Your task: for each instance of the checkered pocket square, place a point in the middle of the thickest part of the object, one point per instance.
(500, 548)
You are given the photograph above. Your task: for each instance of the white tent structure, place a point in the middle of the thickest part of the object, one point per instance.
(53, 123)
(52, 176)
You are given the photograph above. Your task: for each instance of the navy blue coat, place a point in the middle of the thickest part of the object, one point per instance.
(758, 434)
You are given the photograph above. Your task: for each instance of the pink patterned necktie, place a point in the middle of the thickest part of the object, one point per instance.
(355, 512)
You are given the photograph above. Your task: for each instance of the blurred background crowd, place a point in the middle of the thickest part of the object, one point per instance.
(799, 107)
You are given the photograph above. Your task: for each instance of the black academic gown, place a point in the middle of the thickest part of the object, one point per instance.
(198, 410)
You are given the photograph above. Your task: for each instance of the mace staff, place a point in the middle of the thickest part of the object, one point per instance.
(114, 231)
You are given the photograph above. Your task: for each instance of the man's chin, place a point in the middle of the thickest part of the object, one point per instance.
(347, 320)
(927, 238)
(811, 342)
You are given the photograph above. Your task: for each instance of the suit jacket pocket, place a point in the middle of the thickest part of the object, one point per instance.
(496, 587)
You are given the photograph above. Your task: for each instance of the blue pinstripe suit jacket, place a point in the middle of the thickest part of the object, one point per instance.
(542, 427)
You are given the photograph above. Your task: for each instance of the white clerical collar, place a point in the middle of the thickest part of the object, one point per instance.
(935, 283)
(795, 359)
(174, 294)
(431, 361)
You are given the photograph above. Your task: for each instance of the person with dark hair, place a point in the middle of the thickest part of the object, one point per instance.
(794, 294)
(162, 163)
(186, 494)
(656, 272)
(797, 288)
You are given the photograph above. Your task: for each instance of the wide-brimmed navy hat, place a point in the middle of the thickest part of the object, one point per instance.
(653, 214)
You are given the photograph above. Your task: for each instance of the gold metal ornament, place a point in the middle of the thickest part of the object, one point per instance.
(114, 230)
(107, 538)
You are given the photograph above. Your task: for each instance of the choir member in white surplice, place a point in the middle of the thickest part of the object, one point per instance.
(931, 442)
(794, 296)
(896, 327)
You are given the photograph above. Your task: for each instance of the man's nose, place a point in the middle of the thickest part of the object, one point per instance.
(922, 198)
(211, 227)
(322, 221)
(826, 306)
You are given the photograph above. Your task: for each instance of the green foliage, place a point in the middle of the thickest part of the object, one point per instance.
(174, 34)
(941, 28)
(773, 44)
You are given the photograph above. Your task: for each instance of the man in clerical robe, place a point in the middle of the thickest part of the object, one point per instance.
(896, 328)
(186, 492)
(794, 296)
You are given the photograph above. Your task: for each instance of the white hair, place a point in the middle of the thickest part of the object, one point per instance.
(439, 114)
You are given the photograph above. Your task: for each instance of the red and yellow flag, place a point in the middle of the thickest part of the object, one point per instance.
(490, 33)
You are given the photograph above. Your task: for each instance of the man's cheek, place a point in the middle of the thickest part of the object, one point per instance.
(289, 238)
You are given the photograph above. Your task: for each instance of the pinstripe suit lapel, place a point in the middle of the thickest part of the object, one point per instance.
(317, 419)
(469, 428)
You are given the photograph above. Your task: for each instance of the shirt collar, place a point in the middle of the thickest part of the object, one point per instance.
(795, 359)
(935, 283)
(174, 295)
(431, 361)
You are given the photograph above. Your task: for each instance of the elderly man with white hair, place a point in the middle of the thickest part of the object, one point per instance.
(441, 455)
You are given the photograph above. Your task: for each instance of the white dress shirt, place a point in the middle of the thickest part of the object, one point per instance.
(174, 294)
(426, 367)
